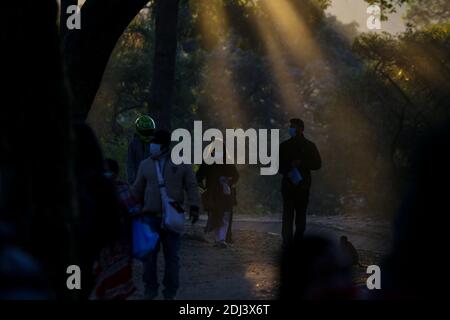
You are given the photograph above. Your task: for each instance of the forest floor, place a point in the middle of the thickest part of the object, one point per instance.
(249, 268)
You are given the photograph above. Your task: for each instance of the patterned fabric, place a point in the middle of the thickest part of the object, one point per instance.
(114, 273)
(113, 269)
(125, 197)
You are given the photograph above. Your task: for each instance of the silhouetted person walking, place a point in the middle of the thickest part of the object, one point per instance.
(298, 156)
(220, 179)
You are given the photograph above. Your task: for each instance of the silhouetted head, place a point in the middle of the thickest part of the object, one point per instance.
(160, 144)
(145, 127)
(217, 149)
(297, 127)
(314, 268)
(344, 239)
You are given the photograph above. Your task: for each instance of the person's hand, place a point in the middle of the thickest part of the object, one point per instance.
(194, 214)
(202, 185)
(136, 212)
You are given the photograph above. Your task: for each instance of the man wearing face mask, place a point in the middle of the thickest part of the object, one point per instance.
(178, 180)
(298, 157)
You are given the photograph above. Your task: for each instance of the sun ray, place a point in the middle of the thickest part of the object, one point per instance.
(218, 80)
(291, 30)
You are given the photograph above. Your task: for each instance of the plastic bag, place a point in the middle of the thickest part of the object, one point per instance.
(144, 239)
(295, 176)
(173, 215)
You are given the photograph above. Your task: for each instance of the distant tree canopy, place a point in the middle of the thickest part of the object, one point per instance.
(416, 65)
(419, 12)
(425, 12)
(88, 50)
(375, 97)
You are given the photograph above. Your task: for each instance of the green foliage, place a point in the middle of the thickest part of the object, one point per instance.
(411, 75)
(388, 6)
(365, 105)
(426, 12)
(419, 12)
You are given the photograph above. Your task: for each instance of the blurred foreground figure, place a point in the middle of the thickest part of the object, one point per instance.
(114, 266)
(36, 171)
(298, 156)
(314, 268)
(98, 205)
(413, 269)
(21, 277)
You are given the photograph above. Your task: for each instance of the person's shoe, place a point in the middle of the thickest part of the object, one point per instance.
(168, 295)
(221, 244)
(150, 294)
(209, 237)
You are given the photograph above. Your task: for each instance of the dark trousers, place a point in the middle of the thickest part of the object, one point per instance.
(295, 203)
(229, 237)
(171, 246)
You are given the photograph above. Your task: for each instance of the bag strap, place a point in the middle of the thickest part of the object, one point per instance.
(159, 174)
(161, 182)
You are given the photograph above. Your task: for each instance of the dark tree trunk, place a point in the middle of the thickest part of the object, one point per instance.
(166, 21)
(87, 51)
(36, 173)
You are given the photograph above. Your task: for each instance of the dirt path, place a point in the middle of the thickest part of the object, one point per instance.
(249, 268)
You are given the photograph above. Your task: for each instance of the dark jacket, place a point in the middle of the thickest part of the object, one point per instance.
(215, 202)
(137, 152)
(299, 148)
(216, 199)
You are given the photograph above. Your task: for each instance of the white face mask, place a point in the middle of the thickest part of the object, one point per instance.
(155, 150)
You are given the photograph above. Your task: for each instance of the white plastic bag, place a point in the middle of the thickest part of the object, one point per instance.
(172, 213)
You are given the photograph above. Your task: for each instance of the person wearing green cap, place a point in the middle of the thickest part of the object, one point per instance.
(139, 146)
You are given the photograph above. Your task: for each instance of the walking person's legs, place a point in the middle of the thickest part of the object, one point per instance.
(171, 246)
(221, 231)
(150, 275)
(288, 216)
(229, 238)
(301, 205)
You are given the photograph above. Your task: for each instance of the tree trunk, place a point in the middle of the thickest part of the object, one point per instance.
(166, 20)
(87, 51)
